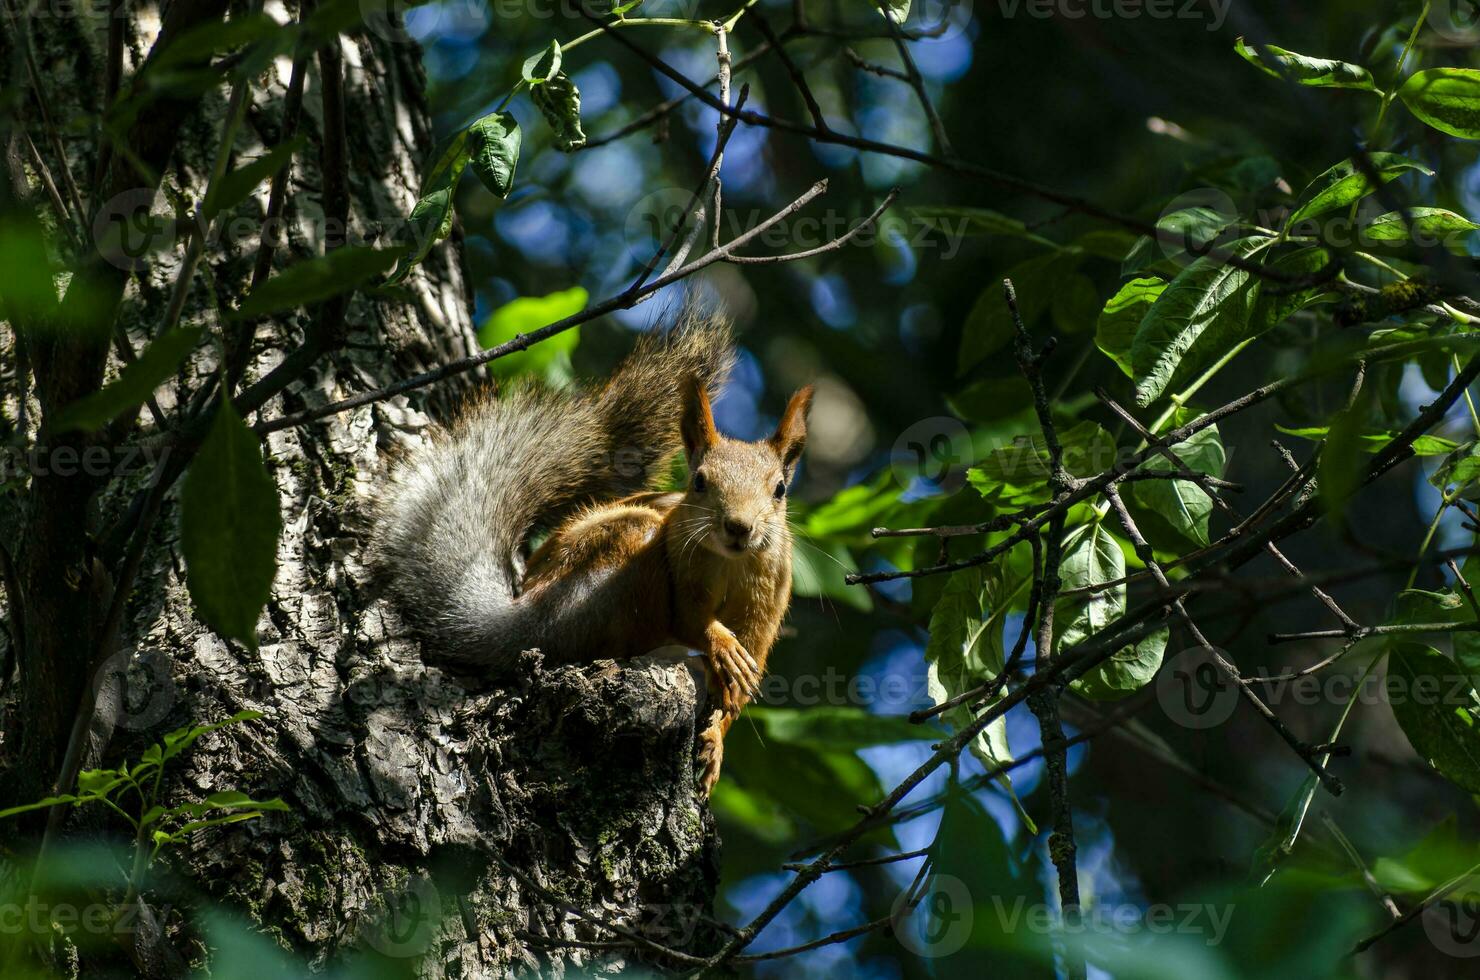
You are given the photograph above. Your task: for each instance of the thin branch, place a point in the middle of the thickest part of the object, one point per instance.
(1245, 688)
(841, 936)
(798, 80)
(883, 71)
(866, 862)
(1363, 632)
(622, 301)
(912, 73)
(1437, 895)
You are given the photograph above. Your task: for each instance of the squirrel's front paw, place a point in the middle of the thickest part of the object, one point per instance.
(710, 754)
(735, 672)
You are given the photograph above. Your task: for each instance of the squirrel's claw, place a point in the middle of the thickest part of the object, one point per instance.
(735, 672)
(710, 755)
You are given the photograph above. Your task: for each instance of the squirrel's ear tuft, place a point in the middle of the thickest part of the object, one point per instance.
(697, 426)
(791, 432)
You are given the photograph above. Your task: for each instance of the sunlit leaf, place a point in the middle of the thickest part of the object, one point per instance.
(1448, 99)
(1183, 504)
(1316, 72)
(493, 142)
(1121, 318)
(1202, 315)
(1349, 182)
(550, 358)
(1438, 710)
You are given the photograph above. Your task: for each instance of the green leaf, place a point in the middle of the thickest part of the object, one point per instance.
(1197, 229)
(28, 295)
(235, 185)
(966, 628)
(970, 222)
(1339, 469)
(1439, 712)
(1127, 671)
(1315, 72)
(494, 144)
(1277, 302)
(181, 739)
(896, 10)
(560, 102)
(317, 279)
(540, 68)
(229, 528)
(1430, 225)
(845, 729)
(1347, 183)
(1281, 843)
(1459, 471)
(1431, 863)
(1371, 442)
(230, 800)
(135, 382)
(99, 782)
(989, 326)
(1075, 306)
(198, 43)
(965, 650)
(1121, 318)
(50, 801)
(1092, 557)
(992, 399)
(1448, 99)
(1018, 473)
(430, 220)
(195, 825)
(1182, 503)
(550, 358)
(1201, 316)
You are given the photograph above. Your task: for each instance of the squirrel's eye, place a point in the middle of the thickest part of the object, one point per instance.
(780, 489)
(700, 483)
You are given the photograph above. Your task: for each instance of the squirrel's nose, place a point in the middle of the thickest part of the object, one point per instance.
(738, 530)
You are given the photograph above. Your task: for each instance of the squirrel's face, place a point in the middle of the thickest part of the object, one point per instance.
(736, 499)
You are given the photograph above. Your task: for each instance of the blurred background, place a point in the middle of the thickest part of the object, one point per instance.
(1127, 111)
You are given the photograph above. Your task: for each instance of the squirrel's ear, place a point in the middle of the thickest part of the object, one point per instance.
(791, 432)
(697, 426)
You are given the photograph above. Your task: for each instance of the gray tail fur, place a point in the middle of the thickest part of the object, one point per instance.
(454, 520)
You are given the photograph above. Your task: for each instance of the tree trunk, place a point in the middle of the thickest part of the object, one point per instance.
(435, 819)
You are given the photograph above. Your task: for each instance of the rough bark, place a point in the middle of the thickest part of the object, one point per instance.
(403, 780)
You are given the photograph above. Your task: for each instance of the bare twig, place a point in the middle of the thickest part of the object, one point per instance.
(622, 301)
(912, 74)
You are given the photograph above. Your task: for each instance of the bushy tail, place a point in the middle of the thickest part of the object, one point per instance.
(456, 514)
